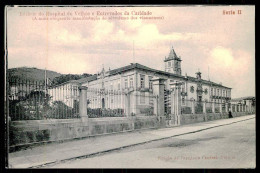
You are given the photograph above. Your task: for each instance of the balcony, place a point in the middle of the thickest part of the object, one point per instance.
(143, 89)
(128, 90)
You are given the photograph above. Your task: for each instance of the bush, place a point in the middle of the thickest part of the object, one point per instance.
(98, 112)
(186, 110)
(209, 110)
(199, 109)
(34, 110)
(60, 110)
(27, 110)
(147, 111)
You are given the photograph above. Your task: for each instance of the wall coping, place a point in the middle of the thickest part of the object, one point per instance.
(48, 121)
(146, 117)
(108, 119)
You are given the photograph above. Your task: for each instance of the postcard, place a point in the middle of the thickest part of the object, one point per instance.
(151, 86)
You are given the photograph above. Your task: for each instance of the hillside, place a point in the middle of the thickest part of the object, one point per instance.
(34, 74)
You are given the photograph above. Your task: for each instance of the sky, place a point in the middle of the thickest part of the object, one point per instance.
(221, 46)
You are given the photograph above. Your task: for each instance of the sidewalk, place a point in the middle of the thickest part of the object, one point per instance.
(55, 152)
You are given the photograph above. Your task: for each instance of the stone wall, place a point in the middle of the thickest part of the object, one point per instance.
(38, 131)
(35, 131)
(109, 125)
(145, 122)
(196, 118)
(192, 118)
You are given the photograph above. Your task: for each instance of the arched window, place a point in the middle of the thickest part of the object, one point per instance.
(192, 89)
(206, 91)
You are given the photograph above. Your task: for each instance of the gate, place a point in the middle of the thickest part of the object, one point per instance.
(167, 102)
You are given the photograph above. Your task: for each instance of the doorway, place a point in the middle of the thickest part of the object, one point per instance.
(103, 103)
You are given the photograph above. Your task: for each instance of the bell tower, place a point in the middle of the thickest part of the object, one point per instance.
(173, 63)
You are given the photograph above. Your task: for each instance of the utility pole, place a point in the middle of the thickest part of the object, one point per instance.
(133, 51)
(208, 74)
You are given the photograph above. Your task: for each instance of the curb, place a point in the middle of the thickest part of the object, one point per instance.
(131, 145)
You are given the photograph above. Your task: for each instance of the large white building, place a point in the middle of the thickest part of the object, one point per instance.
(106, 88)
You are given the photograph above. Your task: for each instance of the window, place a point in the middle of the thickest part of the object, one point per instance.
(150, 83)
(119, 99)
(192, 89)
(206, 91)
(211, 91)
(183, 101)
(111, 86)
(131, 82)
(142, 98)
(118, 86)
(126, 83)
(142, 77)
(169, 64)
(214, 91)
(183, 88)
(218, 92)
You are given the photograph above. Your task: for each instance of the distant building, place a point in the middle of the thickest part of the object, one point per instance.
(247, 102)
(67, 92)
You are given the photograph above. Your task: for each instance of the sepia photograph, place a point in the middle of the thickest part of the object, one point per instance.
(158, 86)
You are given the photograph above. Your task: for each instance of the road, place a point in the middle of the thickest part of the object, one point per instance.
(230, 146)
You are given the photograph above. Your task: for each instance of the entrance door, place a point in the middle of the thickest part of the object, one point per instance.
(103, 103)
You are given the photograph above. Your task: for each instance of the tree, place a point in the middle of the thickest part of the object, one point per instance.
(34, 105)
(64, 78)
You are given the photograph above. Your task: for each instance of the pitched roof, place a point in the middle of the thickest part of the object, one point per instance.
(243, 98)
(172, 55)
(79, 81)
(87, 79)
(142, 67)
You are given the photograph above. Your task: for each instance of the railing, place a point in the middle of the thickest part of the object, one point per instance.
(33, 100)
(217, 107)
(209, 106)
(106, 103)
(167, 102)
(198, 107)
(186, 107)
(223, 106)
(117, 103)
(144, 103)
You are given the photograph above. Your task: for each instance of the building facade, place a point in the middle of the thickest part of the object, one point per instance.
(243, 104)
(137, 80)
